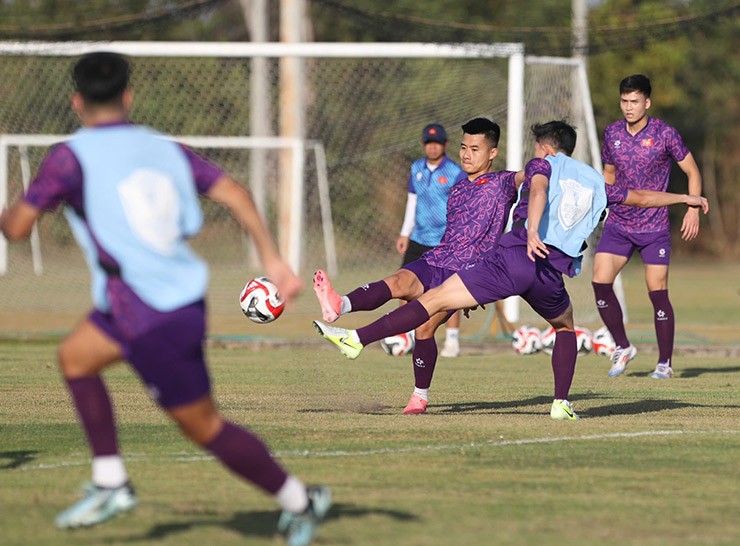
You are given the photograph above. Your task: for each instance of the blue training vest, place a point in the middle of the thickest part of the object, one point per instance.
(141, 204)
(576, 197)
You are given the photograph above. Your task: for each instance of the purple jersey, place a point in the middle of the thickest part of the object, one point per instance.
(60, 179)
(477, 213)
(643, 162)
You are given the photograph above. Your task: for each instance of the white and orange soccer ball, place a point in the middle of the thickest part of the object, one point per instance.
(526, 340)
(399, 345)
(603, 342)
(584, 341)
(260, 301)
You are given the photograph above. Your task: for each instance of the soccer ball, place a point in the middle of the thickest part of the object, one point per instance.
(399, 345)
(260, 301)
(603, 342)
(526, 340)
(584, 340)
(548, 340)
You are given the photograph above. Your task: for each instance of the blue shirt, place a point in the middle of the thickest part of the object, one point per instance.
(432, 189)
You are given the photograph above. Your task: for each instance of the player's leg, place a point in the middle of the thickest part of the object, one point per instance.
(424, 360)
(612, 255)
(403, 284)
(452, 294)
(656, 256)
(451, 347)
(549, 298)
(82, 356)
(170, 360)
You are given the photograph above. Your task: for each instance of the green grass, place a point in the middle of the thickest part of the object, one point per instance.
(651, 462)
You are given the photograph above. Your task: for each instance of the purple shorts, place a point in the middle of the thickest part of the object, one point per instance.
(654, 248)
(430, 276)
(165, 348)
(509, 272)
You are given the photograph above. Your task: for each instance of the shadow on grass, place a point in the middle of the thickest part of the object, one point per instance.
(260, 523)
(501, 406)
(16, 459)
(696, 372)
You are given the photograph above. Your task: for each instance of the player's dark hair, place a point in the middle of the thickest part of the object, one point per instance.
(558, 134)
(483, 126)
(636, 82)
(101, 77)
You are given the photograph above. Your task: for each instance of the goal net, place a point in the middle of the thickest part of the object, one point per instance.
(365, 106)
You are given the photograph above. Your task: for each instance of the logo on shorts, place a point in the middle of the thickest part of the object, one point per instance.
(661, 252)
(617, 143)
(365, 287)
(647, 143)
(661, 315)
(419, 363)
(153, 392)
(601, 304)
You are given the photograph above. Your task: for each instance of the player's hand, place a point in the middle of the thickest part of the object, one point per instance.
(535, 246)
(690, 225)
(289, 285)
(402, 245)
(468, 310)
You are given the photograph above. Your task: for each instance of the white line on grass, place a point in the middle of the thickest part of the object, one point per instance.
(184, 457)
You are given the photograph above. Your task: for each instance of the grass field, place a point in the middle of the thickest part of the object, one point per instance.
(651, 462)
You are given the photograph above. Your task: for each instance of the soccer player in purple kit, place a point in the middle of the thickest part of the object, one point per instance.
(131, 198)
(637, 153)
(561, 201)
(430, 180)
(477, 212)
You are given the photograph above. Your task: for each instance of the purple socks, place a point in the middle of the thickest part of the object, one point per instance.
(564, 362)
(665, 324)
(369, 296)
(96, 414)
(611, 312)
(404, 319)
(425, 359)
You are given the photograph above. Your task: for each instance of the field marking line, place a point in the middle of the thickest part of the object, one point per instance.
(185, 457)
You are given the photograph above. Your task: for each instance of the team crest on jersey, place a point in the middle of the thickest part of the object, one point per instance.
(442, 180)
(575, 202)
(647, 143)
(418, 176)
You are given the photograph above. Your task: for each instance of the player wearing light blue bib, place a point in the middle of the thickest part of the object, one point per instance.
(131, 197)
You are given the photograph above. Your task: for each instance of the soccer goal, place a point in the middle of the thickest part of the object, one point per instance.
(364, 107)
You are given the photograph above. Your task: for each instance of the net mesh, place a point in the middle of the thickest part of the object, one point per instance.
(367, 114)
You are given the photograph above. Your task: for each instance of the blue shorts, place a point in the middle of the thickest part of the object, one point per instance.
(509, 272)
(654, 248)
(165, 348)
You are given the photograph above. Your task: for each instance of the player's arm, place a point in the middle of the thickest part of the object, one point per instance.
(610, 173)
(17, 222)
(519, 178)
(227, 192)
(535, 210)
(409, 221)
(690, 224)
(652, 199)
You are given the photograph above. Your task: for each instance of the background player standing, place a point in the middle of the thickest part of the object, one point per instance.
(637, 153)
(131, 199)
(430, 181)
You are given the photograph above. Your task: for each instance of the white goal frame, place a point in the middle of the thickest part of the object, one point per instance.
(296, 146)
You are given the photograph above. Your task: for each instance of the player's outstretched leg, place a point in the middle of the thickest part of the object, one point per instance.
(329, 300)
(300, 528)
(345, 340)
(98, 504)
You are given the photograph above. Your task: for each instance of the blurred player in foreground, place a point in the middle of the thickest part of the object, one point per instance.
(430, 181)
(637, 153)
(477, 212)
(561, 202)
(131, 199)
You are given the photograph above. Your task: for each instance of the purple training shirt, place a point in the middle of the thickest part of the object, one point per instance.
(477, 213)
(643, 162)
